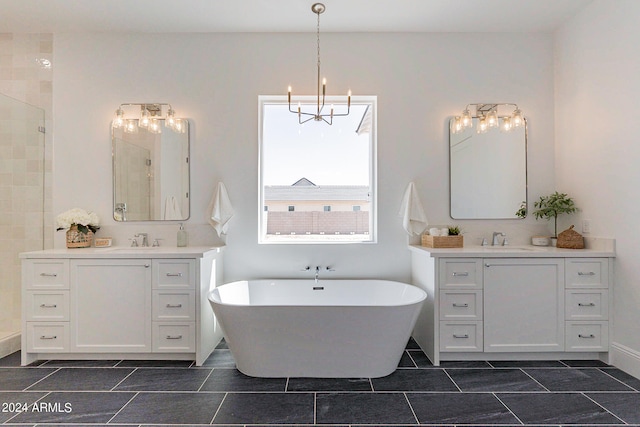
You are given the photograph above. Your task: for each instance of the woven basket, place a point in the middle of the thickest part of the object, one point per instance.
(76, 239)
(570, 239)
(442, 241)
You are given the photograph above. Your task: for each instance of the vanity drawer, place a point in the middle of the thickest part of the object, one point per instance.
(48, 337)
(460, 305)
(587, 336)
(460, 273)
(461, 336)
(47, 305)
(587, 273)
(174, 305)
(174, 274)
(46, 274)
(588, 304)
(174, 337)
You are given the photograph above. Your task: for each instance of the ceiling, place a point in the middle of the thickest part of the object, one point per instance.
(202, 16)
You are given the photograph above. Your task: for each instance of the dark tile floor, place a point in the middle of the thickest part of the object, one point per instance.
(115, 392)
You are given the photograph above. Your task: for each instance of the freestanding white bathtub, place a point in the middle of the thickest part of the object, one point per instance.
(329, 329)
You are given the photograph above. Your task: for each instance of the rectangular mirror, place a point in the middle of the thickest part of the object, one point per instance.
(150, 174)
(488, 172)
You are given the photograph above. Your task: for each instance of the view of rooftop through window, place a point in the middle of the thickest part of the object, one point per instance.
(316, 179)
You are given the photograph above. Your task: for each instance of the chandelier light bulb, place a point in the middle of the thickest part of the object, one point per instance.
(170, 120)
(466, 119)
(507, 125)
(517, 118)
(131, 126)
(483, 125)
(154, 126)
(145, 119)
(492, 118)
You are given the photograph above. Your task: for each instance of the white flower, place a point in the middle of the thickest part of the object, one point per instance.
(84, 220)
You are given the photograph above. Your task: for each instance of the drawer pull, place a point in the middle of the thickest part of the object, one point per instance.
(461, 336)
(48, 275)
(460, 273)
(174, 337)
(48, 337)
(174, 305)
(174, 274)
(48, 305)
(465, 305)
(582, 304)
(586, 336)
(586, 273)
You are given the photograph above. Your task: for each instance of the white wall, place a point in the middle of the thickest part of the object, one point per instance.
(597, 146)
(215, 79)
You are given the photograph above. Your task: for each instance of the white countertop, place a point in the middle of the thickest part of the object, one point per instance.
(597, 249)
(124, 252)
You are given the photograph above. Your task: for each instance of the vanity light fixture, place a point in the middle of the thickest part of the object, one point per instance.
(488, 117)
(147, 118)
(318, 115)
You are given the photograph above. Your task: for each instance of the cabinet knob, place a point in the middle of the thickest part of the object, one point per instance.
(465, 305)
(48, 305)
(461, 336)
(586, 273)
(174, 305)
(48, 275)
(174, 274)
(582, 304)
(460, 273)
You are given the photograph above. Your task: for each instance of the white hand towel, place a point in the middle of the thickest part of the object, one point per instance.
(220, 210)
(171, 209)
(414, 220)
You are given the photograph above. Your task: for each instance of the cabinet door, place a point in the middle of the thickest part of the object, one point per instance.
(523, 305)
(111, 305)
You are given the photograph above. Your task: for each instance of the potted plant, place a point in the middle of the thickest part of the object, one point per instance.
(553, 205)
(80, 225)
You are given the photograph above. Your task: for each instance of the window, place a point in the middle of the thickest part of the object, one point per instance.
(325, 171)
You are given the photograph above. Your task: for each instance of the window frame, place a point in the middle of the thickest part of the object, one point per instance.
(372, 234)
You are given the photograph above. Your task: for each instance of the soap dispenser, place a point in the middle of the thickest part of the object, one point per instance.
(182, 237)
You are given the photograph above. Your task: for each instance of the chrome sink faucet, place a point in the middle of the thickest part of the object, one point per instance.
(145, 240)
(494, 241)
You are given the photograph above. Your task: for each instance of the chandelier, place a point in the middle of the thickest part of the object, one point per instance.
(488, 118)
(320, 114)
(148, 118)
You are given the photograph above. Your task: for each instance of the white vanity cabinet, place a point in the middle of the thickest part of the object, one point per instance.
(529, 303)
(99, 303)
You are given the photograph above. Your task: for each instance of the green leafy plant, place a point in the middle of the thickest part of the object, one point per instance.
(553, 205)
(454, 230)
(522, 211)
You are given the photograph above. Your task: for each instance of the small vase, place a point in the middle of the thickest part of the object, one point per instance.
(77, 239)
(554, 241)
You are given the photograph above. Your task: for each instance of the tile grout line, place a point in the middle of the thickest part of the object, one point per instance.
(219, 406)
(608, 411)
(41, 379)
(620, 381)
(122, 380)
(411, 407)
(507, 408)
(205, 380)
(452, 380)
(123, 406)
(535, 380)
(415, 365)
(315, 407)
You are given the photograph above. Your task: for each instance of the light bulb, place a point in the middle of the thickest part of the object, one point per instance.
(456, 125)
(131, 126)
(507, 125)
(118, 120)
(483, 125)
(492, 119)
(517, 118)
(154, 126)
(180, 126)
(467, 120)
(144, 118)
(170, 121)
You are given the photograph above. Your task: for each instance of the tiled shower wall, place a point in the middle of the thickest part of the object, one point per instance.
(26, 70)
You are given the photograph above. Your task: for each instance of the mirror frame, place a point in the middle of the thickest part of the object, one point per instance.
(526, 176)
(187, 134)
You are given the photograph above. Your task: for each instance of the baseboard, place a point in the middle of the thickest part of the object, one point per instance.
(626, 359)
(9, 345)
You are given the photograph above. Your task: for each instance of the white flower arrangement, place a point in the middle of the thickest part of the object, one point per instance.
(84, 220)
